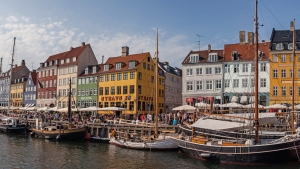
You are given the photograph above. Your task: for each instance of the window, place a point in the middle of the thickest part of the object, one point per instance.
(112, 77)
(62, 61)
(65, 70)
(199, 85)
(213, 57)
(275, 58)
(275, 73)
(106, 67)
(144, 65)
(244, 67)
(75, 69)
(252, 67)
(298, 72)
(218, 84)
(107, 78)
(59, 82)
(291, 57)
(198, 71)
(209, 85)
(298, 57)
(131, 106)
(101, 78)
(118, 66)
(227, 68)
(64, 81)
(64, 92)
(218, 70)
(87, 80)
(275, 91)
(112, 90)
(208, 71)
(279, 46)
(263, 67)
(194, 58)
(189, 72)
(299, 91)
(283, 91)
(106, 90)
(148, 66)
(70, 69)
(139, 89)
(125, 76)
(131, 75)
(86, 92)
(68, 60)
(54, 83)
(252, 82)
(291, 72)
(83, 80)
(235, 82)
(131, 64)
(100, 90)
(244, 82)
(125, 89)
(47, 73)
(119, 76)
(118, 89)
(74, 59)
(131, 89)
(226, 83)
(283, 73)
(86, 70)
(291, 90)
(235, 55)
(235, 68)
(50, 83)
(189, 86)
(263, 82)
(140, 76)
(283, 59)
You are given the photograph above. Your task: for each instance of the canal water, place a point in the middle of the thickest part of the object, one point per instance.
(22, 151)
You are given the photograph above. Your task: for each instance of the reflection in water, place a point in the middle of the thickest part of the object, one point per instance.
(20, 151)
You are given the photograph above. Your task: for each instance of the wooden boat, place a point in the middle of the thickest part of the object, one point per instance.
(247, 151)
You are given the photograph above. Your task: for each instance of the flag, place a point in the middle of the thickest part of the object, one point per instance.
(40, 84)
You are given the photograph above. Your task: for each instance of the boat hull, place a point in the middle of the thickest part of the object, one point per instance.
(74, 134)
(165, 144)
(286, 152)
(13, 129)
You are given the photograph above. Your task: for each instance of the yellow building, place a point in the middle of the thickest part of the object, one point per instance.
(17, 92)
(281, 72)
(129, 81)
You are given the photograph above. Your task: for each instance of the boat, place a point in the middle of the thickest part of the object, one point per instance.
(12, 125)
(160, 141)
(59, 131)
(246, 151)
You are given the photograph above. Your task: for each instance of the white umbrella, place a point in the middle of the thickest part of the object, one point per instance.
(185, 107)
(276, 106)
(201, 104)
(14, 108)
(295, 106)
(42, 109)
(252, 106)
(23, 108)
(112, 108)
(231, 105)
(93, 108)
(32, 108)
(52, 109)
(66, 109)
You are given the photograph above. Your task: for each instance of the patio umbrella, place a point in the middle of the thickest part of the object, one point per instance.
(52, 109)
(66, 109)
(276, 106)
(231, 105)
(93, 108)
(184, 107)
(32, 108)
(42, 109)
(295, 106)
(112, 108)
(201, 104)
(252, 106)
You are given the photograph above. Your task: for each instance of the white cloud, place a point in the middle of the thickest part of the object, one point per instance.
(11, 19)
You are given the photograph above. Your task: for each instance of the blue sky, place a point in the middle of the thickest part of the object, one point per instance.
(44, 27)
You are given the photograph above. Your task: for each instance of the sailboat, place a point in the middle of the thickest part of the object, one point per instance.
(245, 151)
(44, 129)
(160, 141)
(12, 124)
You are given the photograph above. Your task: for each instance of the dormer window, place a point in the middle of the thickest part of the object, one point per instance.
(62, 62)
(260, 54)
(94, 69)
(118, 66)
(194, 58)
(235, 55)
(131, 64)
(68, 61)
(86, 70)
(213, 57)
(74, 59)
(106, 67)
(279, 46)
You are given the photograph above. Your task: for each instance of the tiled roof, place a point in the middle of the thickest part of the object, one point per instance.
(99, 68)
(73, 52)
(246, 51)
(33, 76)
(125, 59)
(203, 55)
(169, 69)
(285, 37)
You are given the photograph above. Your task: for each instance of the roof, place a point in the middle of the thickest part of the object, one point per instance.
(99, 67)
(203, 55)
(246, 52)
(33, 76)
(125, 59)
(284, 36)
(73, 52)
(166, 67)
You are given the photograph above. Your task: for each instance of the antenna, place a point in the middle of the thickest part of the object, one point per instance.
(199, 40)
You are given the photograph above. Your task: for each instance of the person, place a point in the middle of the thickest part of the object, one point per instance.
(143, 117)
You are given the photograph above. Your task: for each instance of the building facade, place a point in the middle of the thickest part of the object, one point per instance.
(17, 92)
(129, 81)
(30, 89)
(173, 86)
(239, 71)
(87, 86)
(202, 77)
(281, 67)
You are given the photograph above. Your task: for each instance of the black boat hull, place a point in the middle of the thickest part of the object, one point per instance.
(13, 129)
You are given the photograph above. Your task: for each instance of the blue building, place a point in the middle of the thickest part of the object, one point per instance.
(30, 89)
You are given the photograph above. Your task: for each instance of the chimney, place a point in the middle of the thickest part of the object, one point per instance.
(34, 71)
(209, 48)
(242, 37)
(125, 51)
(102, 59)
(82, 43)
(71, 48)
(23, 63)
(263, 41)
(250, 38)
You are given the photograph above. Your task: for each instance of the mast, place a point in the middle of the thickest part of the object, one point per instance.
(156, 86)
(69, 102)
(292, 28)
(256, 122)
(11, 72)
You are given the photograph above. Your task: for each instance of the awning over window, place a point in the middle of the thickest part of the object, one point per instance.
(200, 98)
(234, 99)
(189, 100)
(244, 100)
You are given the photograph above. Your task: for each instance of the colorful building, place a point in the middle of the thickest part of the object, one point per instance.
(30, 89)
(129, 81)
(17, 92)
(281, 72)
(87, 86)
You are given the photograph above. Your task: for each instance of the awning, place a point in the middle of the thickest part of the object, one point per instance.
(234, 99)
(210, 98)
(244, 100)
(189, 100)
(200, 98)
